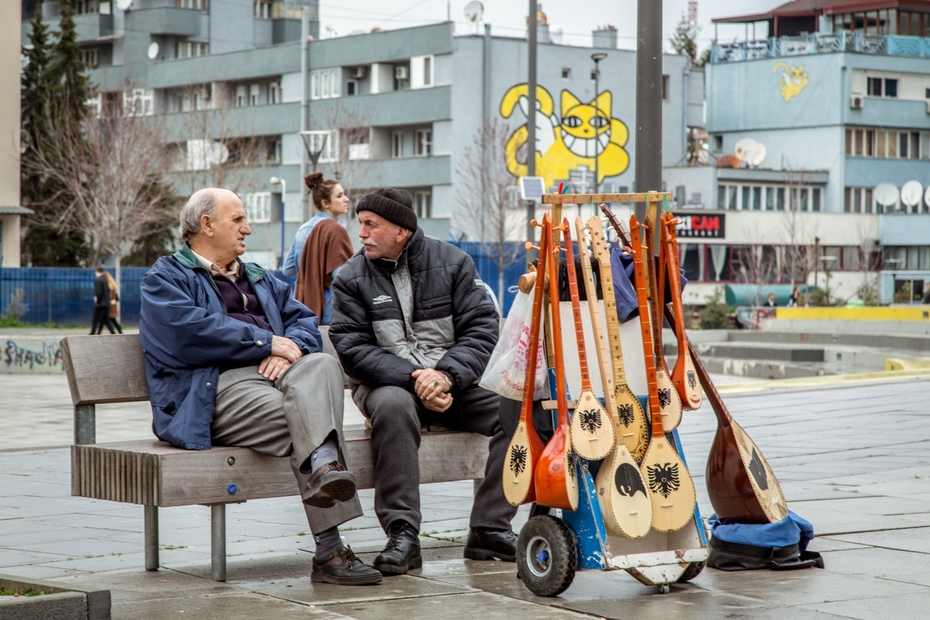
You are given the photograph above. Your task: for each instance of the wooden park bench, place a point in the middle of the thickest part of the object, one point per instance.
(152, 473)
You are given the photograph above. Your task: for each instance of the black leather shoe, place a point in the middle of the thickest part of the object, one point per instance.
(329, 485)
(344, 569)
(402, 552)
(484, 544)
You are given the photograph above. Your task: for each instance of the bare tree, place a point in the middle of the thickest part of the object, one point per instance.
(221, 149)
(798, 229)
(109, 168)
(486, 198)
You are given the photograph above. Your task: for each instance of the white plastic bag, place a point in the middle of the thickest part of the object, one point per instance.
(506, 371)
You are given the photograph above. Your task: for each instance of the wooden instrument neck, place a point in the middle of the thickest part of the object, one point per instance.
(639, 254)
(576, 308)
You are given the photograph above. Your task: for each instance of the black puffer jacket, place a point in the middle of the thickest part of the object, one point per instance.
(454, 326)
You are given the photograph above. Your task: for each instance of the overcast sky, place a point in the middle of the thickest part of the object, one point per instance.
(576, 18)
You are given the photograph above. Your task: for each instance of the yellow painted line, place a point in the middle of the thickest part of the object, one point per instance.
(823, 381)
(855, 314)
(906, 363)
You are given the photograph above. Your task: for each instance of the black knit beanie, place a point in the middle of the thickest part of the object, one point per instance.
(394, 205)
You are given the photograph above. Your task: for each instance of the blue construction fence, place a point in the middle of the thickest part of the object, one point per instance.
(65, 296)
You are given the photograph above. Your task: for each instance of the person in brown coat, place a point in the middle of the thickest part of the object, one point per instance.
(327, 248)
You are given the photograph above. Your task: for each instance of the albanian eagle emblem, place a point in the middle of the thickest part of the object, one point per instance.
(517, 459)
(589, 419)
(663, 479)
(625, 414)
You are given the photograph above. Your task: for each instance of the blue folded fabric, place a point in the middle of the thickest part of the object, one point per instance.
(792, 530)
(621, 270)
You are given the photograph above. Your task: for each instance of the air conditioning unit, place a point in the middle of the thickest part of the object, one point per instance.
(358, 72)
(402, 73)
(855, 102)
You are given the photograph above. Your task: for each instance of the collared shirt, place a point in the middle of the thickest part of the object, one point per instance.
(231, 272)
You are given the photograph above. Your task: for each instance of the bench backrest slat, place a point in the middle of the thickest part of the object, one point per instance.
(104, 369)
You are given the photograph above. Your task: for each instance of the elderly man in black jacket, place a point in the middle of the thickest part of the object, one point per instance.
(414, 329)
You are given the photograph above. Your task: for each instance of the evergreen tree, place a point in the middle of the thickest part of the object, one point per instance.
(684, 39)
(41, 96)
(68, 68)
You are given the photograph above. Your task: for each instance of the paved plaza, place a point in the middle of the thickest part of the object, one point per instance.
(853, 457)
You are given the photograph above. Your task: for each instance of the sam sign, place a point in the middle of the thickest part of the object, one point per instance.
(706, 226)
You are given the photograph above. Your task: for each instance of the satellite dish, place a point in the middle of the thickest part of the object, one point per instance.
(474, 11)
(759, 156)
(123, 5)
(912, 193)
(927, 196)
(746, 149)
(153, 51)
(886, 194)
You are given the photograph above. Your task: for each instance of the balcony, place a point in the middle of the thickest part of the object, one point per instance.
(166, 20)
(92, 26)
(821, 43)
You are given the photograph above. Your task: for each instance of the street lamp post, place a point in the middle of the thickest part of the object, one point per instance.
(597, 57)
(283, 183)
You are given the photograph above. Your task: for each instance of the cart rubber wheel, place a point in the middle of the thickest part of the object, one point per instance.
(694, 569)
(546, 556)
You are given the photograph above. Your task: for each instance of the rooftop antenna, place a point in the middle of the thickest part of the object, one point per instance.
(692, 13)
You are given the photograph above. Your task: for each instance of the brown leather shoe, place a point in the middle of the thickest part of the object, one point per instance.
(329, 485)
(344, 569)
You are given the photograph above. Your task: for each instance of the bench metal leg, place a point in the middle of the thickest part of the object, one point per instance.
(151, 537)
(218, 541)
(85, 424)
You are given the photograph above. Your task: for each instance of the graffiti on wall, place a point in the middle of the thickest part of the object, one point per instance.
(19, 357)
(568, 140)
(791, 81)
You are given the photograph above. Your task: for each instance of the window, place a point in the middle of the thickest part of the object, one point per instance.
(334, 83)
(420, 73)
(423, 204)
(324, 84)
(424, 144)
(858, 200)
(664, 88)
(240, 96)
(351, 88)
(190, 49)
(315, 85)
(89, 56)
(83, 7)
(882, 87)
(274, 92)
(397, 144)
(253, 94)
(567, 75)
(258, 207)
(718, 143)
(202, 5)
(139, 102)
(262, 9)
(887, 144)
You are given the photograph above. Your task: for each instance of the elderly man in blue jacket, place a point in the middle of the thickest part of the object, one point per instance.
(232, 359)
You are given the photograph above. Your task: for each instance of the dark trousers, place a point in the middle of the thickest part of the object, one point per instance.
(101, 318)
(396, 424)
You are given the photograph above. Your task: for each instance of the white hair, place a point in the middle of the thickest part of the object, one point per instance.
(201, 203)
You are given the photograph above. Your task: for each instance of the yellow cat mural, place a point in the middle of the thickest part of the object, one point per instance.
(792, 80)
(564, 145)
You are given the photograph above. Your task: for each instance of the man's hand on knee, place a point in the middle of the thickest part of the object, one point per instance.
(286, 348)
(273, 367)
(438, 403)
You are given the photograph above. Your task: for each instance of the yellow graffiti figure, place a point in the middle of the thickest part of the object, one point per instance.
(792, 80)
(563, 145)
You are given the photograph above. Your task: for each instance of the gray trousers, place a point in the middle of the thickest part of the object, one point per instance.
(396, 419)
(290, 416)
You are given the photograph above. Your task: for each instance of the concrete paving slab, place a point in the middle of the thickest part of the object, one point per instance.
(803, 587)
(905, 539)
(879, 608)
(239, 606)
(453, 607)
(877, 562)
(300, 589)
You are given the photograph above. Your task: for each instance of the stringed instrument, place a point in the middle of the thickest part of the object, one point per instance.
(525, 445)
(740, 482)
(671, 488)
(683, 376)
(628, 408)
(556, 475)
(624, 501)
(669, 399)
(592, 432)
